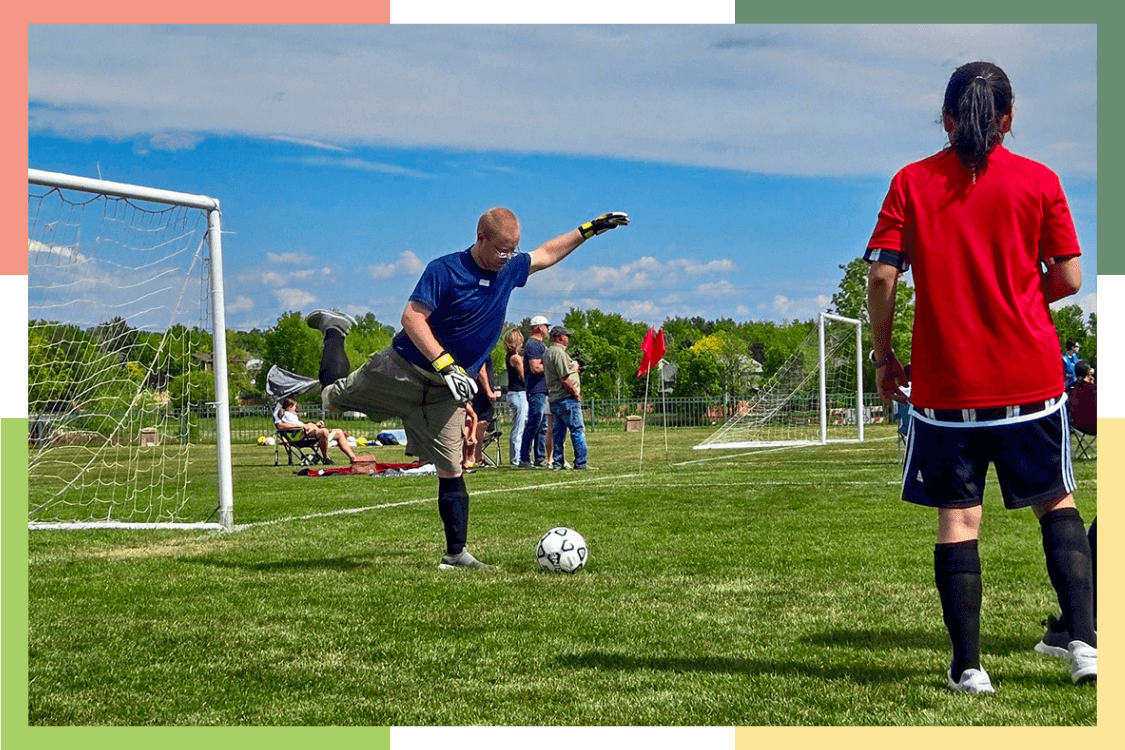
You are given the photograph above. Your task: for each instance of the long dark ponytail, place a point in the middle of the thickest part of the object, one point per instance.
(978, 95)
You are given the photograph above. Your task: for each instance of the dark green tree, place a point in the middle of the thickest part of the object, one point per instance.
(850, 301)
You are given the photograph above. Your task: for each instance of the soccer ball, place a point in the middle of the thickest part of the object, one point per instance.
(262, 440)
(562, 550)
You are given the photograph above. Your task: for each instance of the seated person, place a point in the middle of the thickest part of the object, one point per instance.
(1082, 399)
(287, 421)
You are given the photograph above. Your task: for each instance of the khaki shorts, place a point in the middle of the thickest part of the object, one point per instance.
(389, 386)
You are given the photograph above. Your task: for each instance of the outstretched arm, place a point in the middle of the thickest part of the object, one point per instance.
(552, 251)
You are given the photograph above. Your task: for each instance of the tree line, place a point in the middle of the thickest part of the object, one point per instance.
(713, 358)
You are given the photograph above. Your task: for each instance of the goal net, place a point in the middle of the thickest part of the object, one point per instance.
(815, 397)
(128, 424)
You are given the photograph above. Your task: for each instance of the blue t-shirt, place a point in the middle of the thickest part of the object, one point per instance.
(468, 305)
(1070, 361)
(534, 349)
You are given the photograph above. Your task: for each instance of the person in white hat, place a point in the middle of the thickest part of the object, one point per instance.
(534, 444)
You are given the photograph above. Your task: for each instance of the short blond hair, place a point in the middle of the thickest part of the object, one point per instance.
(493, 220)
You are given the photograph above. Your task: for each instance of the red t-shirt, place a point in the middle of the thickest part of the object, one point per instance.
(983, 334)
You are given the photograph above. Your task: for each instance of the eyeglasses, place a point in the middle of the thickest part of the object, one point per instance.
(504, 254)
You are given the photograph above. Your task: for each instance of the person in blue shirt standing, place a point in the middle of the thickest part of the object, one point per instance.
(451, 323)
(1070, 361)
(534, 445)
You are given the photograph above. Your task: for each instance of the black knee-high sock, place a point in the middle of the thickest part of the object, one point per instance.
(1070, 569)
(334, 362)
(957, 575)
(1092, 536)
(453, 507)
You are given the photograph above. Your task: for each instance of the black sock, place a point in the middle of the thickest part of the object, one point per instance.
(1070, 569)
(1092, 536)
(453, 507)
(334, 362)
(958, 579)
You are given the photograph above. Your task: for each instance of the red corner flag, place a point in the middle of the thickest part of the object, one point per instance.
(653, 348)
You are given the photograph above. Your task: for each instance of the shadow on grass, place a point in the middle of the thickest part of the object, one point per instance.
(934, 640)
(842, 658)
(341, 563)
(854, 671)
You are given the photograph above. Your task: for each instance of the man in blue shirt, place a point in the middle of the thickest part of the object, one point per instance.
(534, 445)
(450, 325)
(1070, 361)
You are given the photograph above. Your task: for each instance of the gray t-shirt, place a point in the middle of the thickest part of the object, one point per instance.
(556, 365)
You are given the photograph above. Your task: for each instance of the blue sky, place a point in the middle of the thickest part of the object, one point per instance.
(752, 159)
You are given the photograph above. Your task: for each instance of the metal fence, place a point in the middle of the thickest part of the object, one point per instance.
(251, 422)
(248, 423)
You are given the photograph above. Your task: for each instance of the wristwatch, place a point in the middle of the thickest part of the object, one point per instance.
(882, 362)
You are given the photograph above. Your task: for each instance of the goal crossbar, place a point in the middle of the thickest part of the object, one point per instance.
(780, 415)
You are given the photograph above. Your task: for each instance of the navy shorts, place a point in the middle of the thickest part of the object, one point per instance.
(948, 453)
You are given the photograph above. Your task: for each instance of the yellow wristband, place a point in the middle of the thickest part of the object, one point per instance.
(445, 360)
(587, 230)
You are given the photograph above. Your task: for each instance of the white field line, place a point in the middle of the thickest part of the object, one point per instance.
(429, 499)
(600, 480)
(764, 451)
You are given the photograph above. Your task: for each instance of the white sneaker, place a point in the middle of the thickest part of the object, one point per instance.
(1083, 661)
(972, 681)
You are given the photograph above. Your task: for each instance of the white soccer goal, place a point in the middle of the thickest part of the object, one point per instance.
(816, 397)
(127, 377)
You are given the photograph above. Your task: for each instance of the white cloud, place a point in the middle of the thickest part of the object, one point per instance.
(716, 96)
(293, 299)
(289, 259)
(408, 264)
(307, 142)
(241, 304)
(175, 141)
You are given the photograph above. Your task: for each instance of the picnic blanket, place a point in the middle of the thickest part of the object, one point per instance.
(370, 468)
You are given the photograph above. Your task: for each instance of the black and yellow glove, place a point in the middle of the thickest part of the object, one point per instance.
(456, 379)
(603, 223)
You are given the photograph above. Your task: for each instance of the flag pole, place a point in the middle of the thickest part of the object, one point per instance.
(664, 406)
(644, 412)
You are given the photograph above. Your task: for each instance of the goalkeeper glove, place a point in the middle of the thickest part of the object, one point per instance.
(456, 379)
(603, 223)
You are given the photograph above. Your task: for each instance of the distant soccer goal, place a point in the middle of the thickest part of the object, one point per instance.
(816, 397)
(126, 357)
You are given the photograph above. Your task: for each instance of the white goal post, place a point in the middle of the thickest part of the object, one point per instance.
(127, 357)
(815, 397)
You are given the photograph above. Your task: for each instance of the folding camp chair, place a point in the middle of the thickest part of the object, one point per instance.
(1082, 408)
(296, 443)
(284, 384)
(1085, 443)
(492, 441)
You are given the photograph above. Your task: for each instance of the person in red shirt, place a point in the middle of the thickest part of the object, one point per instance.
(991, 243)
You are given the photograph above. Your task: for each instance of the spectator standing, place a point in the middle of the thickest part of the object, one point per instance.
(564, 391)
(1070, 361)
(534, 445)
(517, 392)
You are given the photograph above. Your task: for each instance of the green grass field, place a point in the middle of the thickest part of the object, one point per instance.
(789, 587)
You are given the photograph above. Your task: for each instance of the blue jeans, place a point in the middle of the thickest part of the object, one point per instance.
(568, 416)
(535, 433)
(517, 400)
